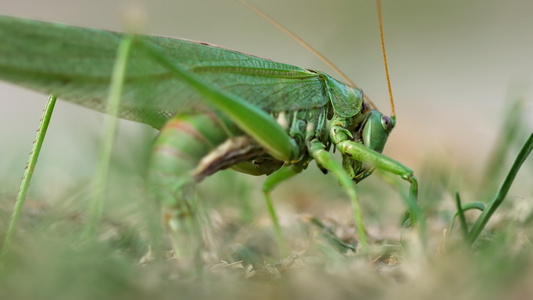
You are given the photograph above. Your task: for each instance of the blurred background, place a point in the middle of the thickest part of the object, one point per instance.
(455, 66)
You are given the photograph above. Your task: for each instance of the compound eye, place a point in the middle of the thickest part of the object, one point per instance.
(386, 122)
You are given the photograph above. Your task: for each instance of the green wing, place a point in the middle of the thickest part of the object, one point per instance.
(75, 64)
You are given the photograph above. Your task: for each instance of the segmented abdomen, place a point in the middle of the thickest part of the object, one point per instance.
(193, 146)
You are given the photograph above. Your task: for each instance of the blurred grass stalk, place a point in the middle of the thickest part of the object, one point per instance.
(28, 173)
(511, 134)
(498, 198)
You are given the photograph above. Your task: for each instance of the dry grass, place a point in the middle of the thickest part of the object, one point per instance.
(130, 258)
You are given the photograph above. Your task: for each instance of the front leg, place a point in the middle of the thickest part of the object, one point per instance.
(361, 154)
(326, 160)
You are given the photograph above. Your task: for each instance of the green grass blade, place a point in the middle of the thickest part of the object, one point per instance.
(510, 135)
(28, 173)
(330, 236)
(502, 192)
(461, 208)
(461, 214)
(110, 126)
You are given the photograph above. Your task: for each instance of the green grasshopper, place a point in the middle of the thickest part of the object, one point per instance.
(215, 108)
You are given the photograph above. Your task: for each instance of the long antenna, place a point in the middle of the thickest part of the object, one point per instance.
(385, 57)
(303, 43)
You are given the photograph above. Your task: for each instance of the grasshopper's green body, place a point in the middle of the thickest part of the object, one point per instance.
(207, 101)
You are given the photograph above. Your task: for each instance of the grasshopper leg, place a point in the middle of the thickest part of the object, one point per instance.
(271, 182)
(327, 161)
(359, 152)
(188, 149)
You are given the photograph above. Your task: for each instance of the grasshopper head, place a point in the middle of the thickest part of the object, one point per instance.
(377, 129)
(373, 135)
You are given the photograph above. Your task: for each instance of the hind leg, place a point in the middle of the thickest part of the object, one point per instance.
(188, 149)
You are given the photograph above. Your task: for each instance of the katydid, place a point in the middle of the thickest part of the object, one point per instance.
(215, 108)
